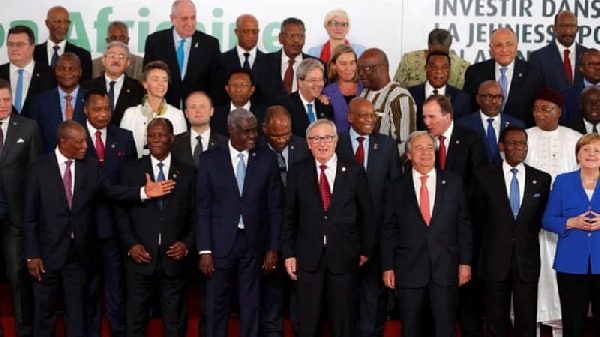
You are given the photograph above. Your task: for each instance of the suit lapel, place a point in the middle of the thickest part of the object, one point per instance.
(530, 188)
(111, 143)
(453, 147)
(499, 184)
(250, 168)
(80, 180)
(340, 180)
(503, 121)
(227, 166)
(12, 134)
(440, 193)
(409, 185)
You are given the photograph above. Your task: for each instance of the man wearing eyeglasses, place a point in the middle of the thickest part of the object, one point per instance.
(27, 78)
(590, 69)
(118, 31)
(328, 231)
(590, 110)
(489, 121)
(123, 91)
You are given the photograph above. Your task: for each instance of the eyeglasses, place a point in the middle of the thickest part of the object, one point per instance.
(318, 139)
(334, 23)
(545, 109)
(116, 56)
(492, 97)
(369, 68)
(17, 44)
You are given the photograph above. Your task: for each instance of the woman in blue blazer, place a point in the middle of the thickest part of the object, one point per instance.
(573, 212)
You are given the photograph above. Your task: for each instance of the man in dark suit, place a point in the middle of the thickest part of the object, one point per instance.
(58, 23)
(238, 222)
(59, 235)
(123, 91)
(489, 121)
(507, 207)
(560, 59)
(426, 240)
(328, 232)
(379, 156)
(240, 88)
(289, 149)
(304, 104)
(27, 77)
(193, 57)
(519, 79)
(590, 111)
(437, 72)
(65, 102)
(158, 235)
(112, 147)
(22, 146)
(590, 58)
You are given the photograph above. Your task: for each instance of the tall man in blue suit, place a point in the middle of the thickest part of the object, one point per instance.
(559, 60)
(379, 156)
(238, 222)
(489, 121)
(65, 102)
(112, 147)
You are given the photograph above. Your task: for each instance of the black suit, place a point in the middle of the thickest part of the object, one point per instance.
(383, 166)
(526, 80)
(43, 79)
(146, 224)
(131, 94)
(293, 103)
(350, 232)
(461, 102)
(218, 122)
(577, 124)
(182, 148)
(203, 66)
(509, 262)
(22, 146)
(230, 61)
(465, 153)
(425, 258)
(40, 54)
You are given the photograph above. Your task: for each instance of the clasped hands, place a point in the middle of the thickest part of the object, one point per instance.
(587, 221)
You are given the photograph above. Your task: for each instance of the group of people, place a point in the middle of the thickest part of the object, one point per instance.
(299, 178)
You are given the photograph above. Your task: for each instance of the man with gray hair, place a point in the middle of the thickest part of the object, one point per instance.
(304, 104)
(118, 31)
(123, 91)
(237, 223)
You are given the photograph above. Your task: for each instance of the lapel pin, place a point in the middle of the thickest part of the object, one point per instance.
(507, 123)
(37, 75)
(457, 141)
(375, 146)
(343, 168)
(534, 182)
(175, 176)
(128, 91)
(112, 145)
(253, 154)
(520, 75)
(196, 45)
(443, 182)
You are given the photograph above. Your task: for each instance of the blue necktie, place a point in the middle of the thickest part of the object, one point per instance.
(492, 143)
(19, 92)
(247, 61)
(111, 96)
(161, 177)
(504, 85)
(241, 175)
(311, 114)
(54, 57)
(180, 56)
(514, 193)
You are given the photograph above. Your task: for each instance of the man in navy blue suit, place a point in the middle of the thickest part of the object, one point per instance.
(489, 121)
(65, 102)
(238, 222)
(560, 59)
(437, 71)
(590, 68)
(113, 147)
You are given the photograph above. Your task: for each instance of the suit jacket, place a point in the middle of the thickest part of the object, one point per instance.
(418, 253)
(218, 122)
(23, 145)
(219, 204)
(182, 148)
(473, 122)
(293, 103)
(203, 65)
(40, 54)
(465, 153)
(461, 102)
(119, 149)
(549, 60)
(570, 108)
(230, 61)
(577, 124)
(46, 111)
(526, 80)
(502, 235)
(348, 222)
(48, 220)
(144, 222)
(43, 79)
(297, 149)
(131, 94)
(383, 166)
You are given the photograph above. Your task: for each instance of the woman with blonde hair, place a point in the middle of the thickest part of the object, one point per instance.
(337, 25)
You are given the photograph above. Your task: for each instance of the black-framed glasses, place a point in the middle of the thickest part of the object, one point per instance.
(318, 139)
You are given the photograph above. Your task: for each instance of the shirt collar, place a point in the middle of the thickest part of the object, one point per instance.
(62, 44)
(416, 174)
(234, 153)
(60, 157)
(92, 130)
(508, 66)
(28, 68)
(241, 52)
(73, 93)
(332, 162)
(353, 134)
(119, 80)
(506, 168)
(562, 48)
(166, 161)
(448, 132)
(246, 106)
(429, 88)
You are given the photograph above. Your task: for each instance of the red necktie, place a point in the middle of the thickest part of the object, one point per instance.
(68, 108)
(360, 151)
(288, 77)
(99, 147)
(424, 200)
(324, 187)
(568, 67)
(68, 182)
(442, 152)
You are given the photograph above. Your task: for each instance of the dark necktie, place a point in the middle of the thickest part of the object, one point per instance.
(198, 151)
(247, 61)
(595, 128)
(324, 187)
(288, 77)
(442, 152)
(360, 151)
(424, 200)
(435, 91)
(19, 92)
(514, 193)
(99, 147)
(111, 95)
(68, 182)
(282, 167)
(568, 67)
(161, 177)
(68, 108)
(1, 139)
(492, 143)
(54, 57)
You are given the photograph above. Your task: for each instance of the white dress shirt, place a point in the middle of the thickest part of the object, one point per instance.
(4, 126)
(429, 89)
(520, 178)
(251, 57)
(92, 132)
(284, 66)
(204, 137)
(448, 135)
(186, 50)
(353, 135)
(495, 123)
(510, 68)
(330, 171)
(572, 55)
(118, 86)
(13, 70)
(60, 51)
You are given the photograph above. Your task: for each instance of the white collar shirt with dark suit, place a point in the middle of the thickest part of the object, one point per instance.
(330, 171)
(508, 176)
(430, 183)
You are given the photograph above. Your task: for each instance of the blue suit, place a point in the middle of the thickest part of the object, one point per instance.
(46, 111)
(550, 62)
(570, 107)
(473, 121)
(461, 102)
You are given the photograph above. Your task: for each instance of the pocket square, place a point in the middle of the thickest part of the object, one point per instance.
(537, 195)
(20, 140)
(121, 153)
